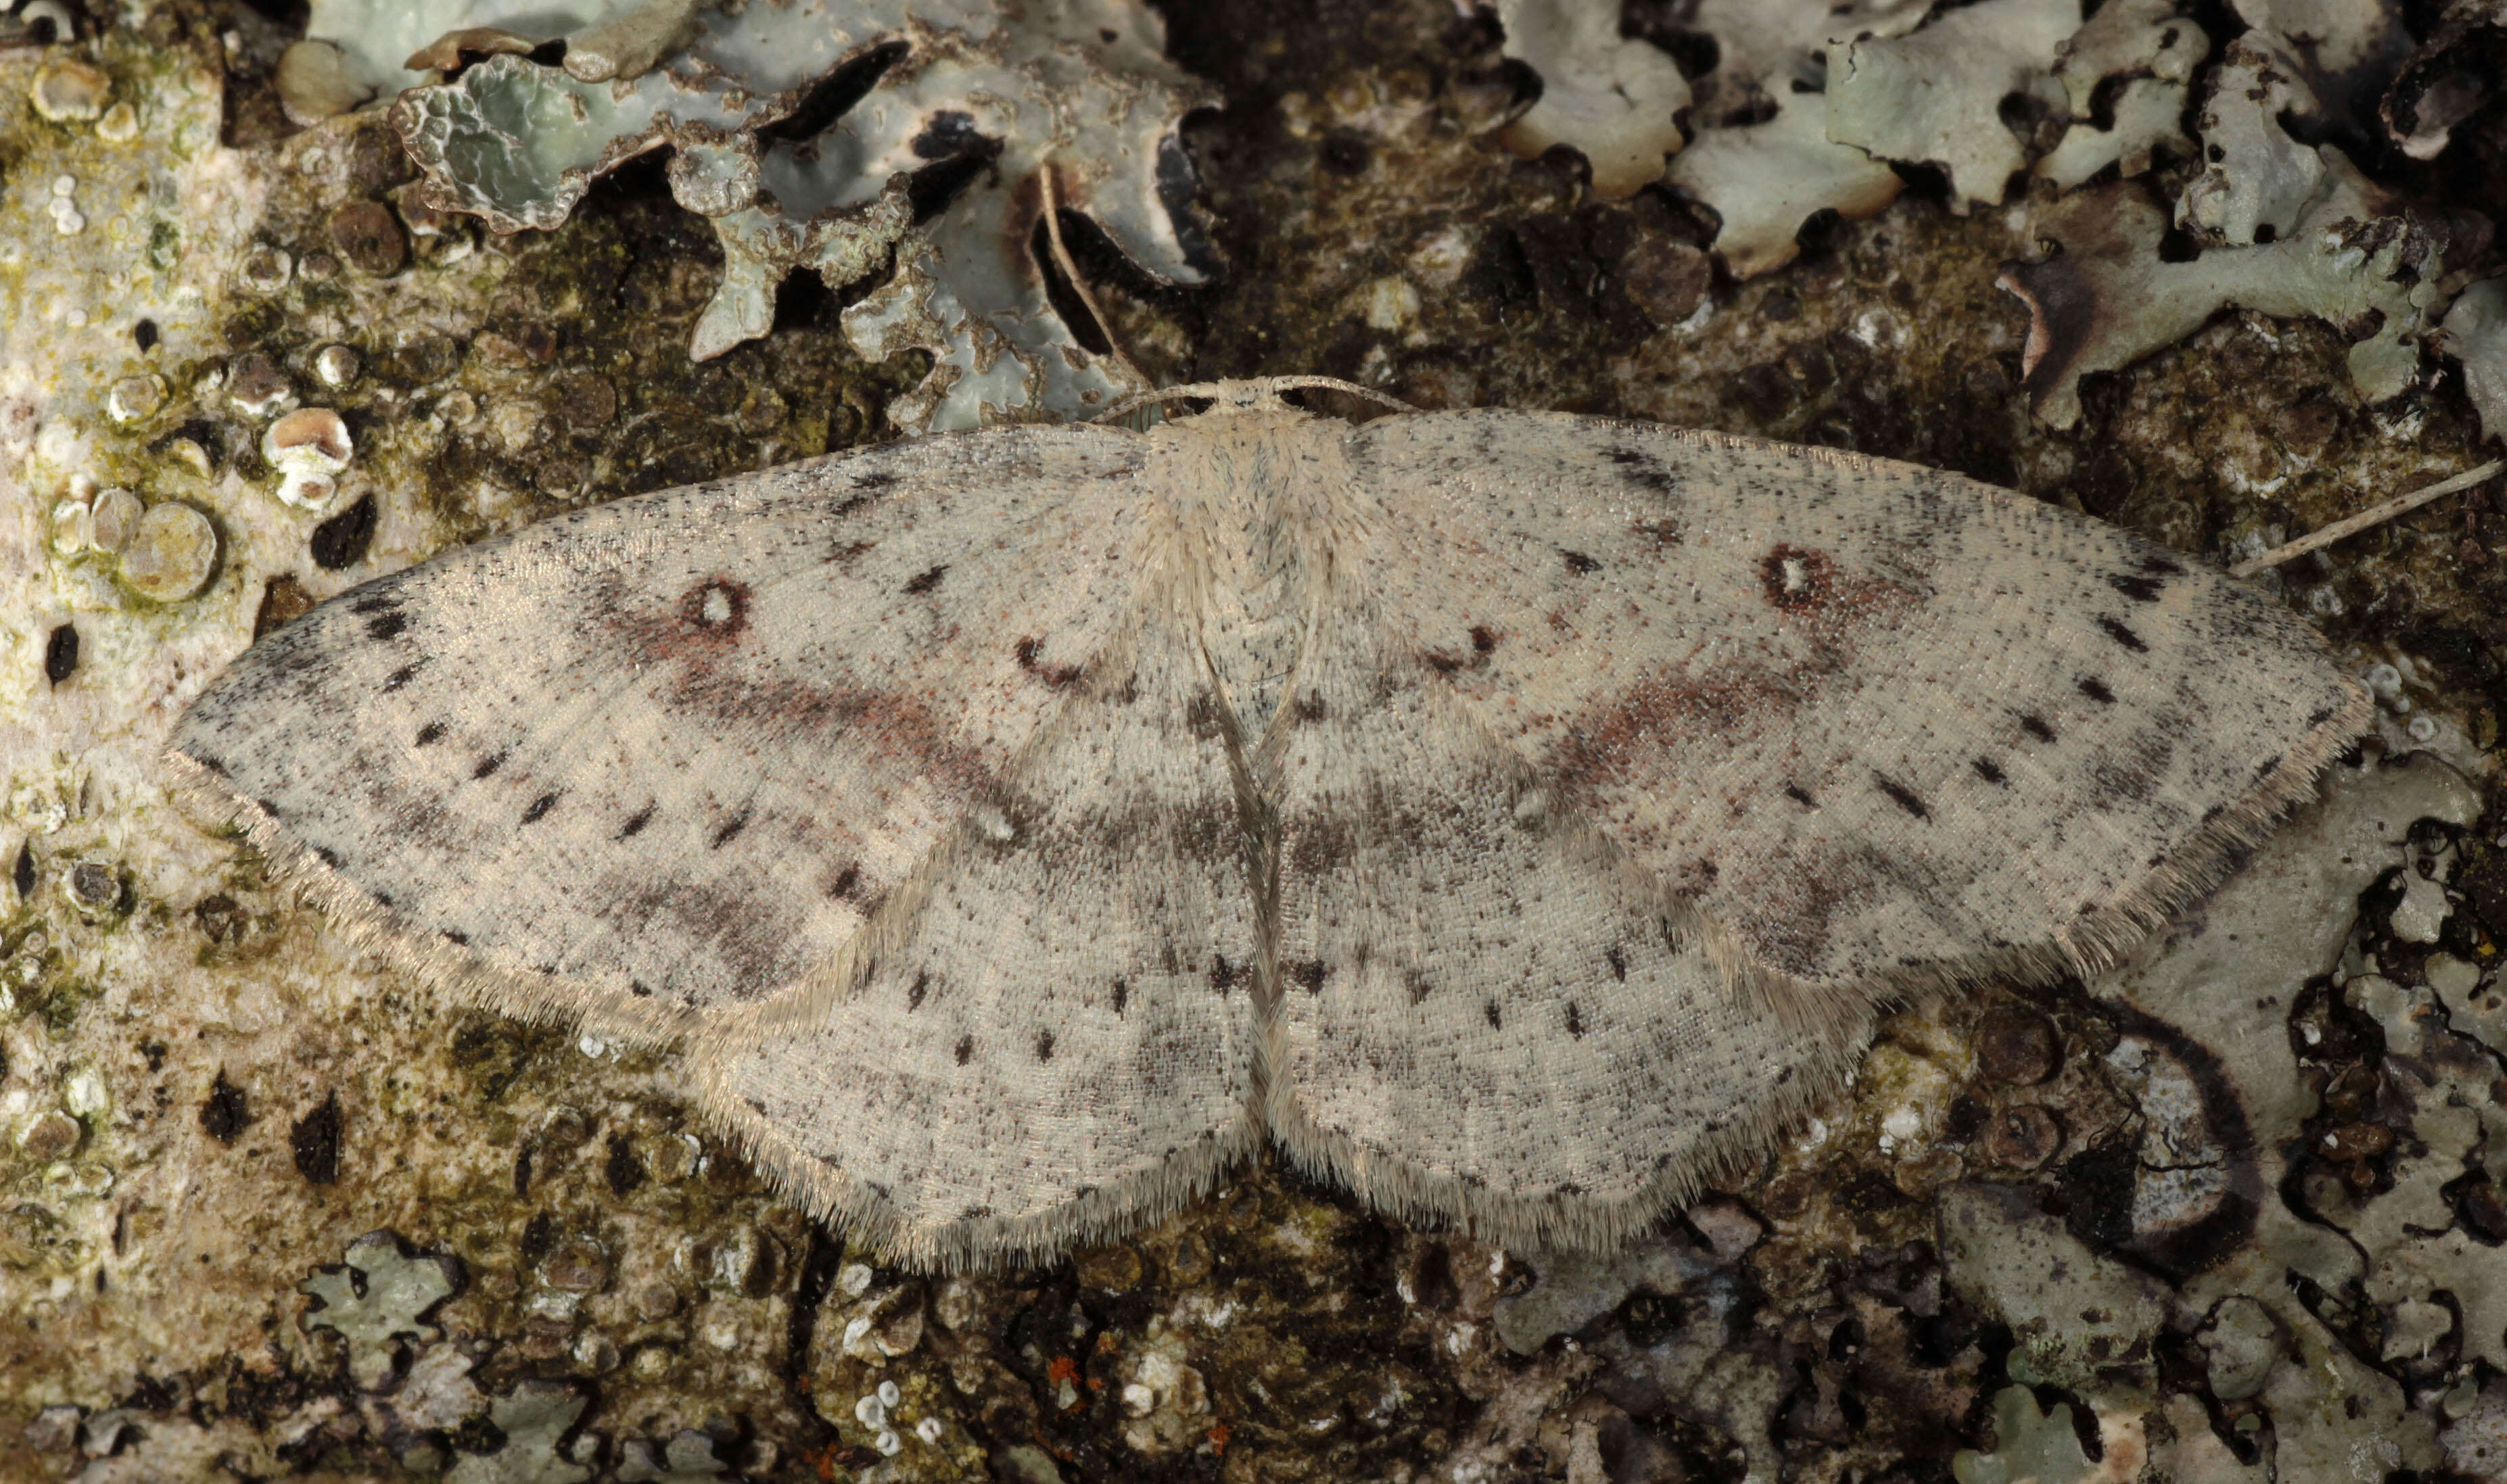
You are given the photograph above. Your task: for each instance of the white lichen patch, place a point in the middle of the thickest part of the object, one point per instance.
(1611, 97)
(2475, 333)
(2256, 179)
(1936, 95)
(379, 1297)
(958, 103)
(2345, 261)
(2139, 57)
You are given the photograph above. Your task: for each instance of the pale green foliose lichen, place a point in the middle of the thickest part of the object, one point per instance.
(951, 110)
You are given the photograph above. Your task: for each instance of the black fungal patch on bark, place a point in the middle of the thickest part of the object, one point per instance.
(61, 654)
(316, 1141)
(226, 1111)
(622, 1169)
(342, 541)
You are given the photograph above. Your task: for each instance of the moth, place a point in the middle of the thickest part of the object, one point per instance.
(1514, 816)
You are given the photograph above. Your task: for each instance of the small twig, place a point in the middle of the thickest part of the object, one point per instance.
(2316, 540)
(1070, 272)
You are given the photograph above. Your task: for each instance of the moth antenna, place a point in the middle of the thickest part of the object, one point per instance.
(1070, 271)
(1252, 390)
(2400, 504)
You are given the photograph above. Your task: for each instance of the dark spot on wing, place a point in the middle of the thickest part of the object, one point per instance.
(640, 989)
(1797, 793)
(866, 488)
(1989, 769)
(1309, 708)
(374, 602)
(1643, 470)
(924, 582)
(717, 607)
(23, 876)
(454, 936)
(329, 856)
(2318, 718)
(2268, 767)
(1310, 975)
(1222, 974)
(488, 765)
(1482, 640)
(1664, 534)
(729, 830)
(400, 678)
(387, 627)
(845, 880)
(2035, 726)
(965, 1049)
(915, 992)
(2141, 590)
(1494, 1021)
(430, 734)
(1617, 960)
(1904, 797)
(539, 808)
(1795, 577)
(1579, 563)
(2096, 690)
(2117, 631)
(1574, 1021)
(1122, 994)
(1044, 1045)
(1055, 676)
(1418, 985)
(637, 822)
